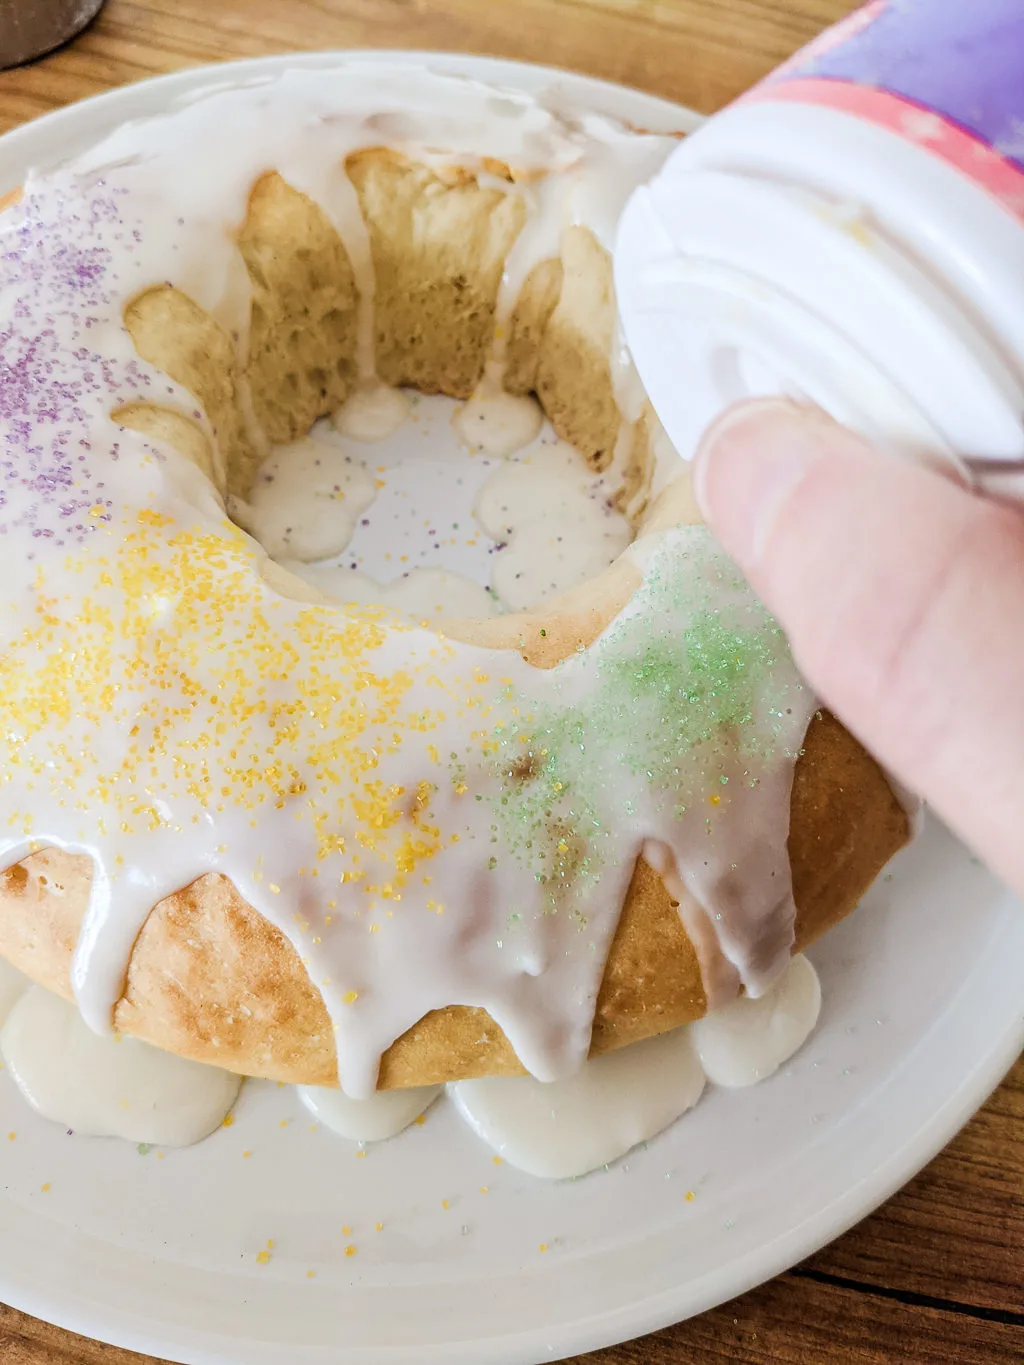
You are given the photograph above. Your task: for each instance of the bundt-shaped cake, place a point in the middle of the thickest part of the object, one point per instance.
(301, 839)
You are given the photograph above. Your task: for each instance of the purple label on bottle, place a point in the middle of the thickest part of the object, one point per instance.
(962, 59)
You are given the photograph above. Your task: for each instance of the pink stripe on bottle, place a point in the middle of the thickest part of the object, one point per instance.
(938, 136)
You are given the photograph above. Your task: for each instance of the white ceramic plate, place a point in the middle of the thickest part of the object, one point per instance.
(923, 1013)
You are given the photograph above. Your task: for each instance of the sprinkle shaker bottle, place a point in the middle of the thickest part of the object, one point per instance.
(851, 232)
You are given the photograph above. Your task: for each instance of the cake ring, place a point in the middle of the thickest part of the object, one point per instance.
(308, 840)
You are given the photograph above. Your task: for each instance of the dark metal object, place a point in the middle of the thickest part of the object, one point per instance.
(31, 28)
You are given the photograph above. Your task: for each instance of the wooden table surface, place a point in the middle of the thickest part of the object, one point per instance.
(936, 1275)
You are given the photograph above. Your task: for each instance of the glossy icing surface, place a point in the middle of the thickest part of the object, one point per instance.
(416, 522)
(116, 1087)
(382, 1116)
(109, 1086)
(576, 1125)
(748, 1040)
(428, 822)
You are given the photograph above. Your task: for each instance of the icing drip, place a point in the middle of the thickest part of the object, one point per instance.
(498, 423)
(381, 1116)
(629, 392)
(109, 1086)
(719, 977)
(373, 413)
(427, 822)
(401, 765)
(616, 1101)
(555, 1130)
(750, 1039)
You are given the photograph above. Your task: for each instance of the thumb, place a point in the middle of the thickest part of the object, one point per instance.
(903, 598)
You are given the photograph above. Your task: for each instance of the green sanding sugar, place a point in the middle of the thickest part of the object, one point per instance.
(693, 676)
(680, 692)
(545, 813)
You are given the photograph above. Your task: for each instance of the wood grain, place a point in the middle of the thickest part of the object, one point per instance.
(701, 52)
(936, 1275)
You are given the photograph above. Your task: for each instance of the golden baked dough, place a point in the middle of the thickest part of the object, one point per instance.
(209, 978)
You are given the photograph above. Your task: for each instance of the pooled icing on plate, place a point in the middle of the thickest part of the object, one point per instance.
(381, 1116)
(118, 1087)
(612, 1103)
(109, 1086)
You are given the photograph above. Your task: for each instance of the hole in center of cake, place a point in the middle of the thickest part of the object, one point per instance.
(435, 507)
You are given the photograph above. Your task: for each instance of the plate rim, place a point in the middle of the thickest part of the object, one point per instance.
(110, 1322)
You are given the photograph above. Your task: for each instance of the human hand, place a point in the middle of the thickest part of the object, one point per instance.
(902, 594)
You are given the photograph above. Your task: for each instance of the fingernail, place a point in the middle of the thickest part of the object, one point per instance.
(747, 466)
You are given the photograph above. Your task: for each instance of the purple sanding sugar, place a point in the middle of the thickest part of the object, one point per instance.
(56, 265)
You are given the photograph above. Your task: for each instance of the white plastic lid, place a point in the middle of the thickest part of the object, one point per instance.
(732, 287)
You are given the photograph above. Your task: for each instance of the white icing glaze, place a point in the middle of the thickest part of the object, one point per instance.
(422, 516)
(555, 524)
(720, 978)
(629, 391)
(616, 1101)
(553, 1130)
(306, 500)
(169, 712)
(748, 1040)
(109, 1086)
(371, 1120)
(420, 595)
(550, 517)
(498, 423)
(12, 987)
(372, 413)
(666, 461)
(539, 240)
(573, 1126)
(430, 117)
